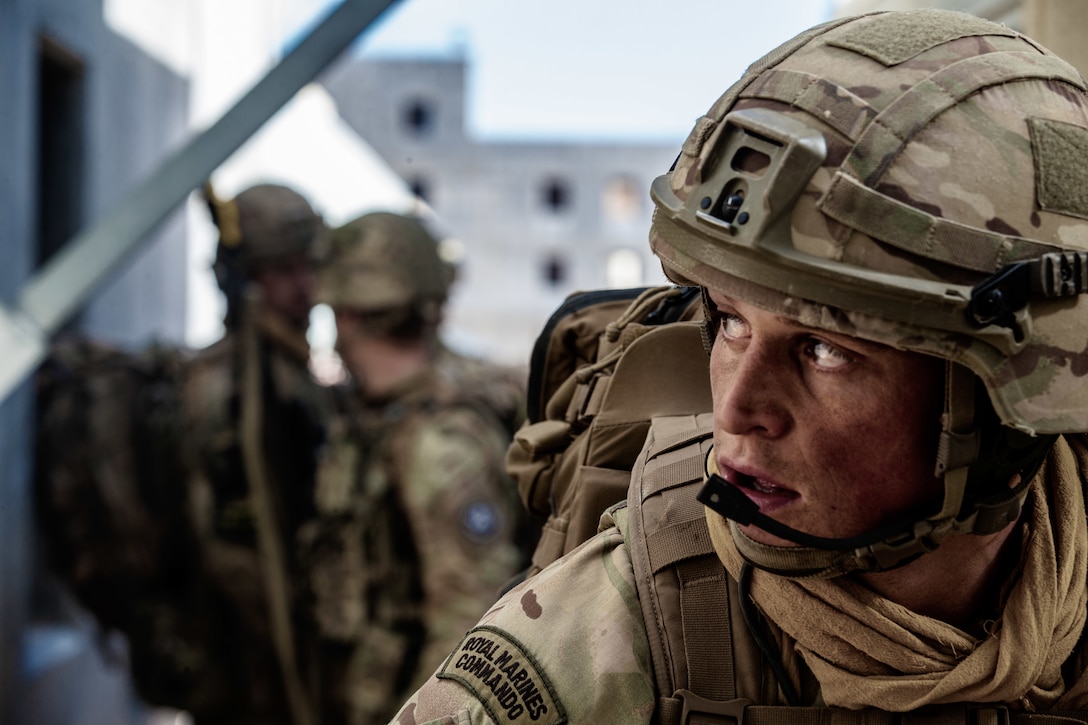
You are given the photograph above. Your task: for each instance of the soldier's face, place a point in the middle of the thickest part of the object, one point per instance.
(287, 286)
(827, 433)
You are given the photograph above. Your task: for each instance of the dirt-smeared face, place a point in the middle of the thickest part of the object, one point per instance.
(828, 434)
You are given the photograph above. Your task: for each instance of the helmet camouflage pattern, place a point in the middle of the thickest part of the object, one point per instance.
(264, 223)
(918, 179)
(381, 261)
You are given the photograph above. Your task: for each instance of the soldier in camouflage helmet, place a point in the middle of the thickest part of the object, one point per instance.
(255, 423)
(887, 218)
(174, 509)
(419, 519)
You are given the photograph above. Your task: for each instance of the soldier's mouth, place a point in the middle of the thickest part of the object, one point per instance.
(757, 484)
(764, 491)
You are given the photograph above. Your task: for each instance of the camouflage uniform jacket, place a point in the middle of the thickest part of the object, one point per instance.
(237, 675)
(498, 388)
(571, 644)
(415, 537)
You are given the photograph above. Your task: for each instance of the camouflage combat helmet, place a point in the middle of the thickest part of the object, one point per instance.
(382, 261)
(915, 179)
(263, 223)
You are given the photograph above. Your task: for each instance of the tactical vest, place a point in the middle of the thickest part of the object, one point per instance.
(361, 561)
(707, 664)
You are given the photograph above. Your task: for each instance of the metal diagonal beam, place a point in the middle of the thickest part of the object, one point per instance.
(65, 283)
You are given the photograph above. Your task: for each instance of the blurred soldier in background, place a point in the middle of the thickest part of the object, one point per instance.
(256, 420)
(417, 525)
(171, 486)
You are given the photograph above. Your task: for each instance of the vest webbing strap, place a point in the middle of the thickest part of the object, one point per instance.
(662, 476)
(704, 608)
(684, 545)
(678, 542)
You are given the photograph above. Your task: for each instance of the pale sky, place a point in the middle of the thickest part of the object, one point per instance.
(597, 69)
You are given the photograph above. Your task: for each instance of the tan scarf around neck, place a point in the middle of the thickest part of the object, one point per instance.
(880, 654)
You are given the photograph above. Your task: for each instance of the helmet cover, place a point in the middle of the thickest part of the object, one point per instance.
(264, 223)
(380, 261)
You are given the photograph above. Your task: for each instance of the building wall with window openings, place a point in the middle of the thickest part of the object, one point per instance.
(537, 220)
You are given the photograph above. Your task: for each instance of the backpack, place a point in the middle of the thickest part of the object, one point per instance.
(589, 404)
(110, 499)
(107, 468)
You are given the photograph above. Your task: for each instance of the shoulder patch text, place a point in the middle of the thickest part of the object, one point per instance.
(504, 677)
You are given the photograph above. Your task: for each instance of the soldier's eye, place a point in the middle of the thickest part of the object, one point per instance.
(732, 326)
(826, 355)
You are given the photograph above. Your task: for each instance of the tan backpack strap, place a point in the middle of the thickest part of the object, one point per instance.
(702, 593)
(269, 543)
(696, 599)
(684, 543)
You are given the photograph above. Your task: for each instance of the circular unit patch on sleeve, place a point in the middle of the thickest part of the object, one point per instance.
(480, 520)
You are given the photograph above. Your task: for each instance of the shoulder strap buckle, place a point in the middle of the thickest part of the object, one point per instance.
(695, 706)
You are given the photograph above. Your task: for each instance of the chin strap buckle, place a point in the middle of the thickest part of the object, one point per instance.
(955, 450)
(922, 538)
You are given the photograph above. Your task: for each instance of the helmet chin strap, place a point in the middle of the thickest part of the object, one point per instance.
(893, 544)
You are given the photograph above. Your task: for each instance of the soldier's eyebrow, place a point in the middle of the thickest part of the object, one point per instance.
(719, 298)
(839, 338)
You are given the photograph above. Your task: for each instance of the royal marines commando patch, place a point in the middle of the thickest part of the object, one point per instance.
(504, 678)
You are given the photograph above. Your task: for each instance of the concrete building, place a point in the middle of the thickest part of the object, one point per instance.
(535, 220)
(86, 115)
